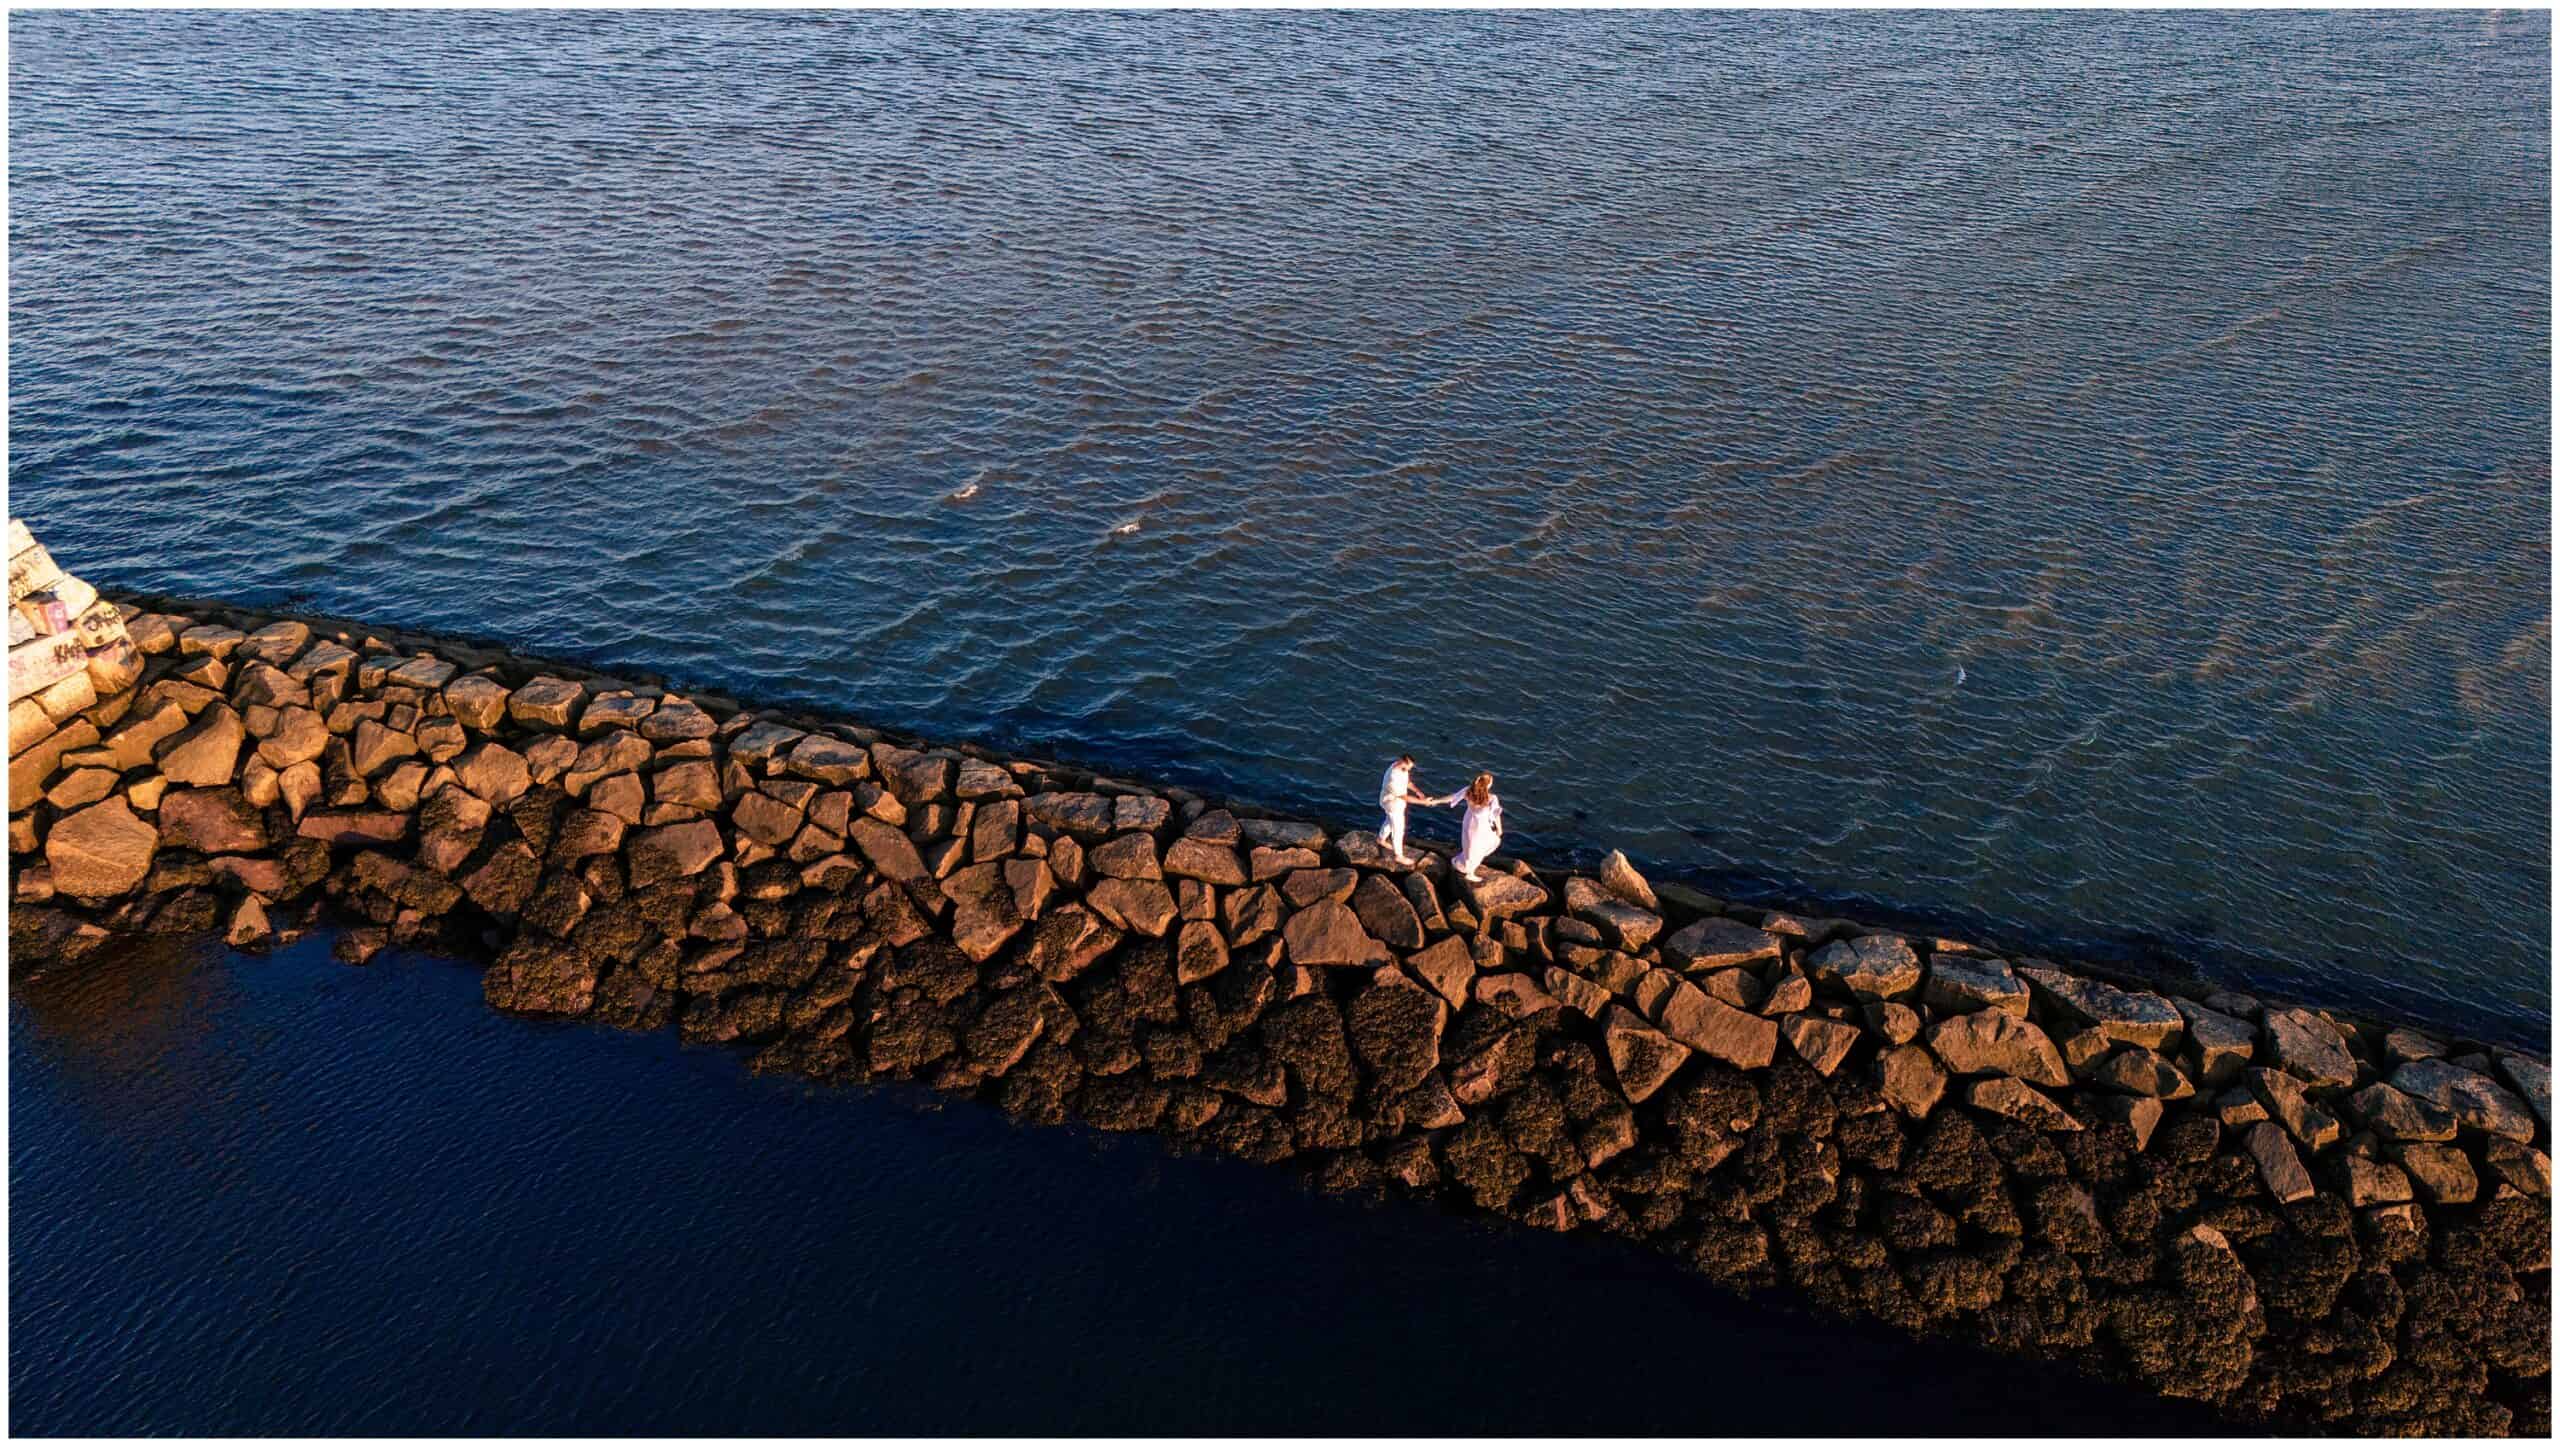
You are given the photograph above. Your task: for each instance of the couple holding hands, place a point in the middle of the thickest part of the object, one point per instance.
(1478, 834)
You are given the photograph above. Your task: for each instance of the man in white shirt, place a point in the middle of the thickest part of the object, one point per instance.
(1394, 792)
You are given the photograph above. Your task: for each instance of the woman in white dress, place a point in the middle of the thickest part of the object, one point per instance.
(1481, 832)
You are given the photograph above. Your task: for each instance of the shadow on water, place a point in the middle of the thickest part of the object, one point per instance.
(275, 1195)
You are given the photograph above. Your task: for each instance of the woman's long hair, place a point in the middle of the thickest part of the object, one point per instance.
(1480, 793)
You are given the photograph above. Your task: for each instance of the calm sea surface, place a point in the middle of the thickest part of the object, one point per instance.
(2081, 478)
(259, 1196)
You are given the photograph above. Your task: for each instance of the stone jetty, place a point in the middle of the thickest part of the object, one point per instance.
(2308, 1221)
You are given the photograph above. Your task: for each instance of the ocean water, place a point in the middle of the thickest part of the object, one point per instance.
(2079, 478)
(281, 1196)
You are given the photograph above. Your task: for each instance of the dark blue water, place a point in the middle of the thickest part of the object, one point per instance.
(2082, 477)
(254, 1196)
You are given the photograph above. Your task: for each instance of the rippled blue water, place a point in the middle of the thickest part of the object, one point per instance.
(259, 1196)
(2081, 477)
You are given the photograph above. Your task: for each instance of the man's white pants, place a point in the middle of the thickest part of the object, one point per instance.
(1391, 833)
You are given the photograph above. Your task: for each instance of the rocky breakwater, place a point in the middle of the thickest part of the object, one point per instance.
(2297, 1217)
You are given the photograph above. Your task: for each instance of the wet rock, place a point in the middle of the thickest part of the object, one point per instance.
(2472, 1099)
(1823, 1044)
(2127, 1016)
(2442, 1173)
(1328, 933)
(1995, 1042)
(1642, 1057)
(2308, 1048)
(1717, 943)
(1910, 1080)
(538, 976)
(2019, 1101)
(2278, 1166)
(206, 752)
(100, 851)
(249, 925)
(1961, 984)
(1144, 906)
(1869, 967)
(1708, 1025)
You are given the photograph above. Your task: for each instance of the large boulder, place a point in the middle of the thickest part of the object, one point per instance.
(890, 851)
(1494, 894)
(2443, 1173)
(100, 851)
(1870, 967)
(1620, 878)
(2396, 1115)
(2278, 1165)
(1822, 1044)
(2223, 1044)
(2021, 1102)
(2470, 1097)
(1385, 913)
(1192, 857)
(1395, 1028)
(211, 821)
(1910, 1080)
(1141, 905)
(2284, 1099)
(1995, 1042)
(2128, 1016)
(1961, 984)
(1717, 943)
(985, 914)
(1701, 1022)
(672, 851)
(2308, 1048)
(1642, 1056)
(205, 752)
(1328, 933)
